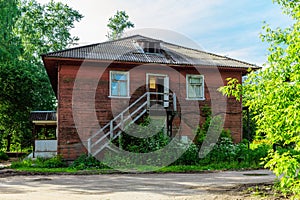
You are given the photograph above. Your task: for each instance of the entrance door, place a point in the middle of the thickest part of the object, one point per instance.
(158, 84)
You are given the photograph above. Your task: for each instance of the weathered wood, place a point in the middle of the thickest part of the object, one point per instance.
(69, 143)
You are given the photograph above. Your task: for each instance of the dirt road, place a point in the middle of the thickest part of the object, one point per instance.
(130, 186)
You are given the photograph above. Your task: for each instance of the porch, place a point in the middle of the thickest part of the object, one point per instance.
(44, 133)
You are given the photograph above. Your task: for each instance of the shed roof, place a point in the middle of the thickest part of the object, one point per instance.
(43, 116)
(129, 50)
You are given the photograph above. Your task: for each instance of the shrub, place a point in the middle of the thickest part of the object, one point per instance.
(86, 162)
(144, 145)
(23, 163)
(189, 157)
(260, 152)
(54, 162)
(3, 156)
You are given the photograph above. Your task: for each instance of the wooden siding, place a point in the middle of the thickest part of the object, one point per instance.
(69, 143)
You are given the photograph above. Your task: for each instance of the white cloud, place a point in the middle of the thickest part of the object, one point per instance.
(163, 14)
(226, 26)
(248, 54)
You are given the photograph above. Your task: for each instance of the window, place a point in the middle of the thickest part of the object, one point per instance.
(195, 87)
(148, 46)
(119, 84)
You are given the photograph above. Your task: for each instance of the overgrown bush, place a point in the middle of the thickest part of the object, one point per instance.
(3, 156)
(87, 162)
(22, 163)
(54, 162)
(189, 157)
(157, 138)
(224, 151)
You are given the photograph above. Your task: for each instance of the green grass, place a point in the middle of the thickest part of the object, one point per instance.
(167, 169)
(46, 170)
(89, 165)
(209, 167)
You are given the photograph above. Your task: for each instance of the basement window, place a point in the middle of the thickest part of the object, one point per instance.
(119, 84)
(195, 87)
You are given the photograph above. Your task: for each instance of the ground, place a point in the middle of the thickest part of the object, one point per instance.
(169, 186)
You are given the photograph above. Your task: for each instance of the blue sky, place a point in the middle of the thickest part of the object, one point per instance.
(225, 27)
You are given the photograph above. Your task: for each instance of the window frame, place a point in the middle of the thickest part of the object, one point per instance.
(110, 83)
(188, 76)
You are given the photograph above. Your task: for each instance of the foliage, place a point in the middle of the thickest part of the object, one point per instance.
(54, 162)
(28, 29)
(201, 131)
(117, 24)
(286, 165)
(87, 162)
(249, 125)
(45, 28)
(189, 157)
(147, 144)
(272, 94)
(3, 156)
(225, 151)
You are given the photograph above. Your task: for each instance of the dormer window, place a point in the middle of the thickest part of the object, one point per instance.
(150, 46)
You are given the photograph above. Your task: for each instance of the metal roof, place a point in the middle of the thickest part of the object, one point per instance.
(43, 116)
(129, 50)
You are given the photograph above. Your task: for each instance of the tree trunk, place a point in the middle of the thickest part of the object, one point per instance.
(8, 142)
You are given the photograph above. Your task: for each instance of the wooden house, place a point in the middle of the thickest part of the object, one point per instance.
(129, 75)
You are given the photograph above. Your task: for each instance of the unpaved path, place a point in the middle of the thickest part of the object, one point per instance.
(131, 186)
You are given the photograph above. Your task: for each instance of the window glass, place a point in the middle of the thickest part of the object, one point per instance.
(195, 87)
(119, 84)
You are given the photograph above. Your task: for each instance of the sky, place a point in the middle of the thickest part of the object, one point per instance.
(226, 27)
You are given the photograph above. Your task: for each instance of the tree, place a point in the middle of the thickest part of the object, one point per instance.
(29, 30)
(9, 43)
(42, 29)
(273, 94)
(117, 24)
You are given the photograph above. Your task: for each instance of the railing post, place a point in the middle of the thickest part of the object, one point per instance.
(89, 146)
(174, 103)
(148, 100)
(111, 129)
(122, 121)
(120, 142)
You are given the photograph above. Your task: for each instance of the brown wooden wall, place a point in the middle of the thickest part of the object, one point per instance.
(70, 144)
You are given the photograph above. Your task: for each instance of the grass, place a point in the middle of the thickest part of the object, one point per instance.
(153, 169)
(209, 167)
(46, 170)
(89, 165)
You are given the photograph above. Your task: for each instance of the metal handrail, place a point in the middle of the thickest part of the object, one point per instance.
(114, 119)
(113, 127)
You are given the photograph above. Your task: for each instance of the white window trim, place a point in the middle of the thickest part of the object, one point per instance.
(128, 84)
(152, 74)
(166, 86)
(187, 87)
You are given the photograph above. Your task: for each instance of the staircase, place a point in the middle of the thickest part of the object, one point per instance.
(112, 130)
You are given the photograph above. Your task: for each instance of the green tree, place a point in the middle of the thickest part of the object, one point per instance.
(29, 29)
(42, 29)
(117, 24)
(273, 94)
(9, 43)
